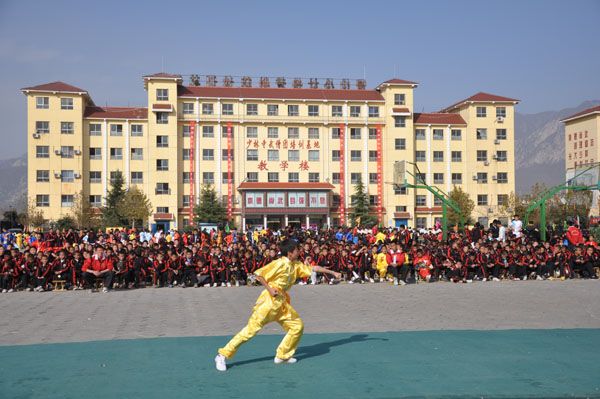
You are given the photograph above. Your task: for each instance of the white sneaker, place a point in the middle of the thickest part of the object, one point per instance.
(395, 281)
(469, 281)
(105, 290)
(220, 362)
(228, 284)
(484, 279)
(525, 278)
(290, 360)
(237, 283)
(206, 285)
(371, 280)
(11, 290)
(331, 283)
(175, 282)
(539, 277)
(496, 279)
(401, 282)
(214, 285)
(4, 291)
(351, 282)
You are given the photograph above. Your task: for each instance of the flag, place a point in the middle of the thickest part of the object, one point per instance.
(358, 220)
(227, 228)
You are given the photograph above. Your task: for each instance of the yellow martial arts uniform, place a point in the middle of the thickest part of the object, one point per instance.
(382, 264)
(281, 274)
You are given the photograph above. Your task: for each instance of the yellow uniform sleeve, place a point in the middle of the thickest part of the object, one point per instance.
(302, 270)
(270, 270)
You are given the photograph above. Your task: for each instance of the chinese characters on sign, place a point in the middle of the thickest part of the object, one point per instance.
(294, 200)
(229, 180)
(342, 183)
(276, 200)
(192, 152)
(379, 174)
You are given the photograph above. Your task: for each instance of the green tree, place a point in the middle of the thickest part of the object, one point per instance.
(513, 205)
(83, 213)
(65, 223)
(359, 202)
(31, 215)
(209, 208)
(135, 206)
(110, 213)
(465, 204)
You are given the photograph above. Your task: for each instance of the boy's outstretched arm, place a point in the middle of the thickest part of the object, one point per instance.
(320, 269)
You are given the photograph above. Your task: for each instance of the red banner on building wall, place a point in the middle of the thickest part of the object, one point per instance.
(379, 175)
(192, 152)
(342, 180)
(229, 181)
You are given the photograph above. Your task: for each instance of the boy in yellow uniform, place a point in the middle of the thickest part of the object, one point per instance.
(273, 304)
(382, 263)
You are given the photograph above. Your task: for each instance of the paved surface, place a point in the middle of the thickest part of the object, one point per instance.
(52, 317)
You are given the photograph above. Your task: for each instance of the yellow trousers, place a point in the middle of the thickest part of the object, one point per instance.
(266, 310)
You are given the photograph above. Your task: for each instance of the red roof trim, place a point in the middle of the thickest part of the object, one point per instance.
(55, 86)
(401, 215)
(285, 186)
(583, 113)
(403, 110)
(116, 113)
(399, 82)
(482, 97)
(438, 119)
(163, 75)
(279, 93)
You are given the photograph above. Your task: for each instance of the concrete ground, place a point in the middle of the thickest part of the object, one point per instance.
(55, 317)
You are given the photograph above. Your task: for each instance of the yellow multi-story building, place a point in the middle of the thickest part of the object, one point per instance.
(582, 131)
(296, 154)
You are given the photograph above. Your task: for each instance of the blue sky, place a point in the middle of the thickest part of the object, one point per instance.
(545, 53)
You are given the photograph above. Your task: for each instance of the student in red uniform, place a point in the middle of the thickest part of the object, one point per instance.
(98, 266)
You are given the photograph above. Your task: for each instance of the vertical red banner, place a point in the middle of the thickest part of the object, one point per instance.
(379, 175)
(192, 152)
(229, 180)
(342, 180)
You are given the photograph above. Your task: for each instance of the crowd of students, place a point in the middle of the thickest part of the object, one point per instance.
(130, 259)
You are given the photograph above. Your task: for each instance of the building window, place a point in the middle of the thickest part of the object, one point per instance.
(420, 200)
(95, 153)
(293, 155)
(438, 156)
(335, 132)
(456, 156)
(162, 95)
(208, 177)
(188, 108)
(66, 103)
(185, 131)
(252, 132)
(224, 131)
(313, 177)
(208, 154)
(293, 110)
(355, 111)
(503, 199)
(313, 155)
(251, 109)
(501, 134)
(481, 112)
(185, 201)
(482, 178)
(137, 177)
(225, 177)
(138, 130)
(438, 178)
(437, 202)
(42, 127)
(400, 144)
(481, 134)
(500, 112)
(42, 200)
(95, 129)
(208, 131)
(373, 178)
(420, 134)
(372, 200)
(293, 177)
(42, 102)
(456, 134)
(456, 178)
(162, 118)
(399, 99)
(224, 154)
(186, 177)
(372, 133)
(336, 200)
(272, 132)
(66, 176)
(162, 188)
(272, 109)
(502, 177)
(116, 130)
(42, 176)
(252, 177)
(313, 132)
(66, 128)
(401, 208)
(420, 156)
(373, 112)
(162, 141)
(95, 177)
(501, 156)
(313, 110)
(273, 155)
(438, 134)
(227, 109)
(355, 133)
(251, 155)
(186, 154)
(162, 209)
(335, 178)
(137, 154)
(335, 155)
(482, 199)
(273, 177)
(162, 165)
(481, 155)
(355, 178)
(208, 109)
(116, 154)
(336, 110)
(95, 200)
(399, 121)
(293, 133)
(372, 156)
(355, 155)
(66, 200)
(66, 151)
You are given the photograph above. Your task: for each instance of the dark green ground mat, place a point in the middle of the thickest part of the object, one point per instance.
(429, 364)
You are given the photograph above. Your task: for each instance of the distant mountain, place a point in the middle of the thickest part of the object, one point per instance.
(540, 147)
(13, 182)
